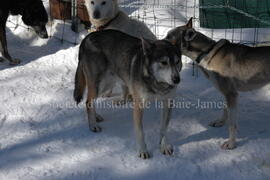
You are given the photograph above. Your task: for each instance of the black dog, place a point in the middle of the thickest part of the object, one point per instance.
(33, 14)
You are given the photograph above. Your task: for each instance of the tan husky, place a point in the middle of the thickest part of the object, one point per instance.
(231, 67)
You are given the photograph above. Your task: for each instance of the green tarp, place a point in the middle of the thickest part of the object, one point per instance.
(227, 14)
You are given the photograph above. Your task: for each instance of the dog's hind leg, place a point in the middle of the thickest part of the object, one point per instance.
(231, 100)
(90, 102)
(137, 118)
(90, 107)
(80, 84)
(3, 46)
(220, 122)
(165, 148)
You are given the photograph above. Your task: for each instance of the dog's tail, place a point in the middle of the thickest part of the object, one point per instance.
(80, 83)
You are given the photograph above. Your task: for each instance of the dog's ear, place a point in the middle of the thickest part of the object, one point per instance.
(189, 23)
(190, 34)
(147, 46)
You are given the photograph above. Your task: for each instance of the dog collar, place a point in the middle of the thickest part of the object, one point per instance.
(100, 28)
(206, 56)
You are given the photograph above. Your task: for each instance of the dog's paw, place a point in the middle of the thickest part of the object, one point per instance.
(14, 61)
(167, 149)
(217, 123)
(95, 128)
(228, 145)
(144, 155)
(99, 118)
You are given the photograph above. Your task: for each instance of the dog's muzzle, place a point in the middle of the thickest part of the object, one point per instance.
(41, 31)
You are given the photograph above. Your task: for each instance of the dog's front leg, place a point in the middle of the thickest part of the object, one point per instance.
(165, 148)
(3, 47)
(232, 118)
(137, 118)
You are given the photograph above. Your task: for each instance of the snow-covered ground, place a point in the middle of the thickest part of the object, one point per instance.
(44, 136)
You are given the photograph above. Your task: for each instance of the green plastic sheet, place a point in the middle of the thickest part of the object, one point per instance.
(229, 14)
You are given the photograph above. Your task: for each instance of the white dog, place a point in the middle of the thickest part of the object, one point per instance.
(105, 14)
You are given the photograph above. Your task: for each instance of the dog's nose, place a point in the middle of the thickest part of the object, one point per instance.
(44, 34)
(96, 14)
(176, 79)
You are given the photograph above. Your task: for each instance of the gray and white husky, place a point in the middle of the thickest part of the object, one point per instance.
(149, 69)
(231, 67)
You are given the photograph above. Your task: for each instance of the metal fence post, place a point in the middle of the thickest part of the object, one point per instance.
(74, 16)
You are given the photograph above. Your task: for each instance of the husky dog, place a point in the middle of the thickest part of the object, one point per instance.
(33, 14)
(105, 14)
(150, 70)
(231, 67)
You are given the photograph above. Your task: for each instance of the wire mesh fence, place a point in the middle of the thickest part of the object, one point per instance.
(162, 15)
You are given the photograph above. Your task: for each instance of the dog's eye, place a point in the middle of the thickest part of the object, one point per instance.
(164, 63)
(92, 2)
(103, 3)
